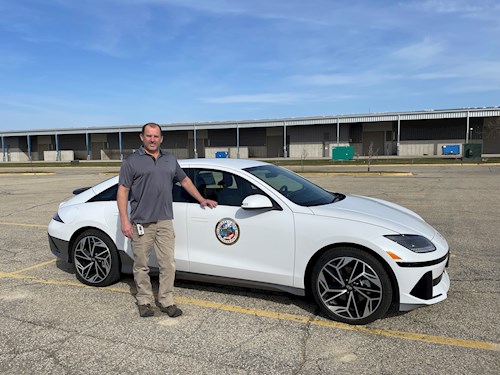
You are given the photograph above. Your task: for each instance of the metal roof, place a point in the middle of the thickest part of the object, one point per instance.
(293, 121)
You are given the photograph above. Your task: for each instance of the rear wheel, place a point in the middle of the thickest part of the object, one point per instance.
(95, 259)
(351, 286)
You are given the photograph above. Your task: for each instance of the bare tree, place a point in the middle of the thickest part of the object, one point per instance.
(371, 153)
(302, 158)
(491, 130)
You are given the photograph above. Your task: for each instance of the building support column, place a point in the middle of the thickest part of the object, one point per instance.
(87, 144)
(3, 150)
(195, 147)
(399, 135)
(58, 153)
(120, 143)
(468, 130)
(338, 132)
(29, 148)
(237, 141)
(285, 153)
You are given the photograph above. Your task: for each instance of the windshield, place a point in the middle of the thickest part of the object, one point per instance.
(292, 186)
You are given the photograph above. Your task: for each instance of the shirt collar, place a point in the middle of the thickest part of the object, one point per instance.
(142, 151)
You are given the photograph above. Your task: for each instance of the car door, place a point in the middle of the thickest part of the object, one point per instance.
(233, 242)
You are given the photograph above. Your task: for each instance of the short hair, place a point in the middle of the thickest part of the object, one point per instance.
(152, 124)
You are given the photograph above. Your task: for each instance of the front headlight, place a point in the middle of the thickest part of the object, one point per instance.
(56, 217)
(413, 242)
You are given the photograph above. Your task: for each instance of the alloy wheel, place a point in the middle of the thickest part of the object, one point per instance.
(92, 259)
(350, 288)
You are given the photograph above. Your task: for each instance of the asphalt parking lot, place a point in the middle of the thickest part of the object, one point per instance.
(50, 323)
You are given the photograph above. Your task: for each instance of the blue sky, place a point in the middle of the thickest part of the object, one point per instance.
(78, 63)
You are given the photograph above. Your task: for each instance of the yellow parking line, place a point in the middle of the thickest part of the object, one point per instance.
(302, 319)
(34, 266)
(484, 345)
(16, 276)
(24, 225)
(26, 173)
(330, 323)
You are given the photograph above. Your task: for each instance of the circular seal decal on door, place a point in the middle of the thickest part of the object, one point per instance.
(227, 231)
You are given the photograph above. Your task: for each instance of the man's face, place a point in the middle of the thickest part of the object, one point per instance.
(151, 139)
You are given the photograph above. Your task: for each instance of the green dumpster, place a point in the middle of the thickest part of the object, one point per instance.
(472, 151)
(343, 153)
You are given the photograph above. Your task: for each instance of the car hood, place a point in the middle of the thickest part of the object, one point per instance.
(377, 212)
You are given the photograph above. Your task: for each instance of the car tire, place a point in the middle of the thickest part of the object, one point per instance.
(351, 286)
(95, 259)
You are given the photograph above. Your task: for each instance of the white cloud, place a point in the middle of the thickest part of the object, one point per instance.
(423, 53)
(448, 6)
(325, 79)
(361, 79)
(255, 98)
(471, 88)
(436, 75)
(296, 10)
(486, 10)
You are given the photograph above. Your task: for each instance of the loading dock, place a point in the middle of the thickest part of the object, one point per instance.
(406, 134)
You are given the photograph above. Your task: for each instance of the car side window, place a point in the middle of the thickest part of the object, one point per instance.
(226, 188)
(179, 194)
(107, 195)
(206, 183)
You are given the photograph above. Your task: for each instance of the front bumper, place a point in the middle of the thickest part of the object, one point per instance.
(422, 278)
(427, 291)
(59, 248)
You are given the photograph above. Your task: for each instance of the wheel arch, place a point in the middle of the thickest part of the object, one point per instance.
(319, 253)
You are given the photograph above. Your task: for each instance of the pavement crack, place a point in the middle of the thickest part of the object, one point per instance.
(153, 347)
(305, 339)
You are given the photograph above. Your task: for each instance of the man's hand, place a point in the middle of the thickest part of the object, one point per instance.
(191, 189)
(208, 203)
(127, 229)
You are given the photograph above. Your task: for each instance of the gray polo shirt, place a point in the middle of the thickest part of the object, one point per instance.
(150, 182)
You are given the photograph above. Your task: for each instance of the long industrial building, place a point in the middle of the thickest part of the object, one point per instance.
(400, 134)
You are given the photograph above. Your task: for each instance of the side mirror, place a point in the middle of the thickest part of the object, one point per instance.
(256, 201)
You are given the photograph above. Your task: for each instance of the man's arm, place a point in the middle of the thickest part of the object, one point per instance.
(122, 202)
(191, 189)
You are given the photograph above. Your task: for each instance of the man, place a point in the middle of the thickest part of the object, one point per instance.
(148, 175)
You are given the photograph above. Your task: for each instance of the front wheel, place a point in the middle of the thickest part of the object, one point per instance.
(95, 259)
(351, 286)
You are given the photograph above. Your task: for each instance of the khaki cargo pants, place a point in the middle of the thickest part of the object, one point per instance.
(161, 237)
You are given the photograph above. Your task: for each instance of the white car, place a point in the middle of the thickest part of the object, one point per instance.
(272, 229)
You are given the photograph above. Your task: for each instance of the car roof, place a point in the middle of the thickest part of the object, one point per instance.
(221, 162)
